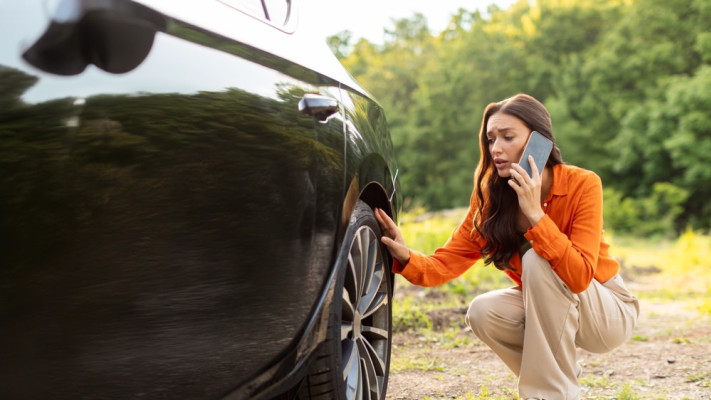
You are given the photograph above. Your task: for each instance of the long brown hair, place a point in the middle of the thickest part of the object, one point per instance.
(495, 219)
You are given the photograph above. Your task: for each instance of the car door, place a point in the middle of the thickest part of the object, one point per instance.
(168, 215)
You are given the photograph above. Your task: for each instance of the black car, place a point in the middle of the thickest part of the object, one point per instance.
(186, 195)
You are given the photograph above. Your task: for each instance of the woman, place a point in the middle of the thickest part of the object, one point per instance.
(545, 232)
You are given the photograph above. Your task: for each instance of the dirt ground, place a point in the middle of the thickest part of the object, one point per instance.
(669, 357)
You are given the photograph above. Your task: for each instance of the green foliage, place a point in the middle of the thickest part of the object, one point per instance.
(340, 43)
(687, 264)
(417, 364)
(682, 262)
(595, 381)
(477, 279)
(13, 85)
(407, 315)
(426, 232)
(701, 378)
(655, 214)
(628, 85)
(627, 394)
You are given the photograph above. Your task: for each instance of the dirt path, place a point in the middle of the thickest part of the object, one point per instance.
(669, 358)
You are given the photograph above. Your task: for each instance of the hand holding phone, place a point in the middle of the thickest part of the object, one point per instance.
(529, 195)
(540, 148)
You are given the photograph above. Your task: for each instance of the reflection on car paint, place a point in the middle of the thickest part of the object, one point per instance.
(167, 231)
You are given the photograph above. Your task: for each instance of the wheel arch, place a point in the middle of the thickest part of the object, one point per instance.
(374, 196)
(371, 185)
(375, 183)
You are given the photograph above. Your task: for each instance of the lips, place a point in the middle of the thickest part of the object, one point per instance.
(500, 163)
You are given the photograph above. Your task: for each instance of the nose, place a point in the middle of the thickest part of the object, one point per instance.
(495, 147)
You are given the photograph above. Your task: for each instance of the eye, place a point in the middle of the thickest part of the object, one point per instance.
(508, 138)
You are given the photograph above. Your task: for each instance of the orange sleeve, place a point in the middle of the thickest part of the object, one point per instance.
(574, 256)
(457, 255)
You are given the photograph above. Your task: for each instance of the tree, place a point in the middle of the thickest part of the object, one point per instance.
(340, 43)
(651, 41)
(625, 83)
(13, 84)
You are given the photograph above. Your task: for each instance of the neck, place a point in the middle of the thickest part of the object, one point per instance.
(546, 182)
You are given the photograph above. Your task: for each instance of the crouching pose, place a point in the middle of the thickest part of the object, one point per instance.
(544, 231)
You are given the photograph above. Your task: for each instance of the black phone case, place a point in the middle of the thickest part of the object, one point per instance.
(540, 148)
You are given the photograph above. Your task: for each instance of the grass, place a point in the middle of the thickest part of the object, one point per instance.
(627, 394)
(703, 378)
(408, 314)
(483, 394)
(419, 364)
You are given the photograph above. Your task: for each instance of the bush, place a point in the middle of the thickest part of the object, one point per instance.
(655, 215)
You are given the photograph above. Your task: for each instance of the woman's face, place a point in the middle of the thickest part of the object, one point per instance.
(507, 136)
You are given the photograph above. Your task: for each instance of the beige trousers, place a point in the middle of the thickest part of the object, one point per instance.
(537, 328)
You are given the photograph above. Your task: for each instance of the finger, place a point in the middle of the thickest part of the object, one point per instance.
(514, 185)
(393, 246)
(387, 225)
(535, 173)
(388, 244)
(381, 217)
(521, 173)
(392, 227)
(396, 249)
(378, 216)
(518, 178)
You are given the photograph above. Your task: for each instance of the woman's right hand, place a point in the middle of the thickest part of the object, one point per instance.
(392, 238)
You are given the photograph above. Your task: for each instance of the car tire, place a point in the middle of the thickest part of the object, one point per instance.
(354, 361)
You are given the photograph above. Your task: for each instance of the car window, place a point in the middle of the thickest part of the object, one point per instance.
(276, 12)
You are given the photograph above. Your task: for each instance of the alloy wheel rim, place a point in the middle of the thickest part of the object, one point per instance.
(365, 319)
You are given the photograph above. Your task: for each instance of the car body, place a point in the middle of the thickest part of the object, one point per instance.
(185, 205)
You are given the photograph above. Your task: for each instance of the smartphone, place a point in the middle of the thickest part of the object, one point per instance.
(540, 148)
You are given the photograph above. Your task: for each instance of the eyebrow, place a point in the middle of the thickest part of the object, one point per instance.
(504, 130)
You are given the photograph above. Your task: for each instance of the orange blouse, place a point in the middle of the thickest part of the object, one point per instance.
(570, 237)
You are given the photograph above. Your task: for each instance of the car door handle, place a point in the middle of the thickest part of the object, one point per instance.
(318, 106)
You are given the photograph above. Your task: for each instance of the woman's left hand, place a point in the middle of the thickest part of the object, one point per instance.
(528, 189)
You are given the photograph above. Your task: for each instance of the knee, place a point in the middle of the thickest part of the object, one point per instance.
(534, 268)
(537, 276)
(478, 315)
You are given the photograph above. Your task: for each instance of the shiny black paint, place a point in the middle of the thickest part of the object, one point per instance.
(170, 231)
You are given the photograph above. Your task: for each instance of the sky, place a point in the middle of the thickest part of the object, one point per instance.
(368, 18)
